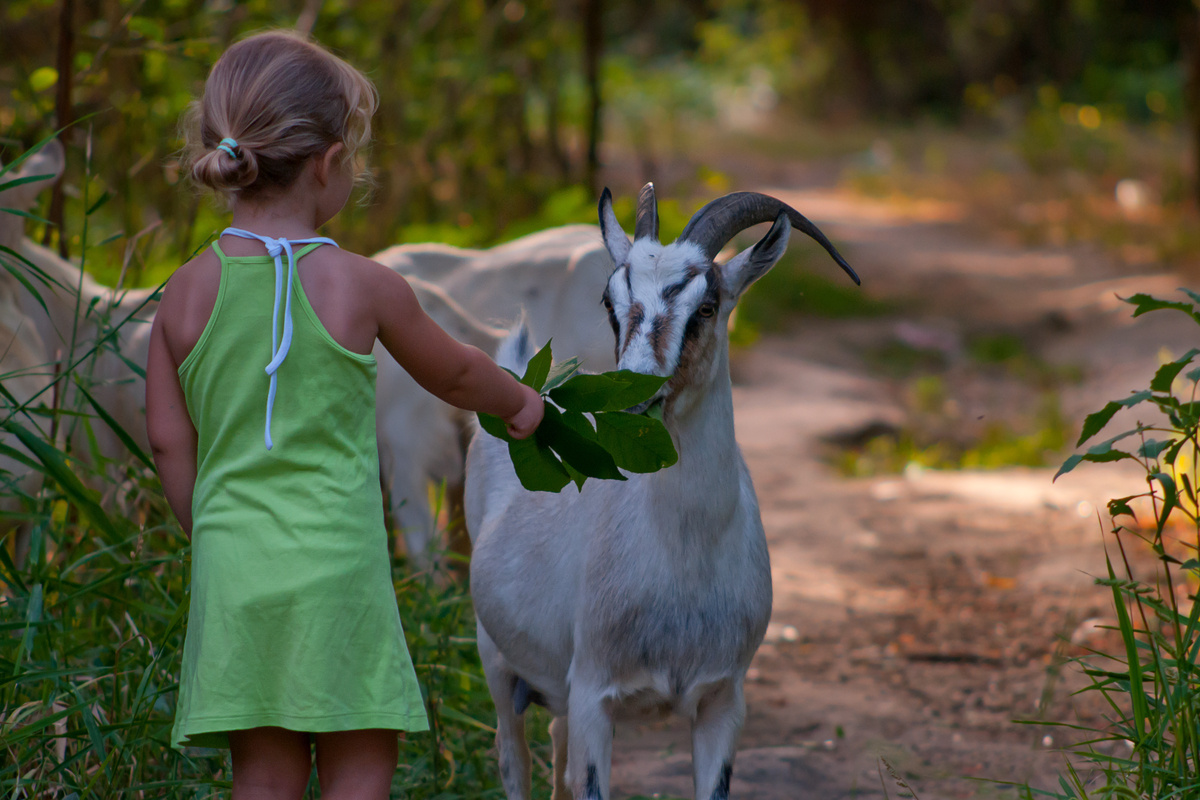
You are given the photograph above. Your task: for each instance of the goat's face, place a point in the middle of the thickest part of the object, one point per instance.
(668, 309)
(669, 305)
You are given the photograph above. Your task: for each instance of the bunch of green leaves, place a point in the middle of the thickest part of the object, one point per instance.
(1151, 745)
(586, 431)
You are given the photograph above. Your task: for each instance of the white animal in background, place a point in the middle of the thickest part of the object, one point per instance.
(116, 323)
(422, 439)
(639, 598)
(553, 277)
(25, 368)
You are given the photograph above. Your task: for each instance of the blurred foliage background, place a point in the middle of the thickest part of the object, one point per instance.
(494, 111)
(1055, 120)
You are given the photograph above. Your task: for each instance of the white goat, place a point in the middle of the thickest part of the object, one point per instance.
(639, 598)
(26, 365)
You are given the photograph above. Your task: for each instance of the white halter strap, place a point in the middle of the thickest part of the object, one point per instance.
(279, 350)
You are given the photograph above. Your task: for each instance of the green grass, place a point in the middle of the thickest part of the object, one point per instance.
(999, 446)
(1149, 746)
(1009, 352)
(95, 625)
(937, 435)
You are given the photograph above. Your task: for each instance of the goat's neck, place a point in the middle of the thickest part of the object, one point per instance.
(706, 481)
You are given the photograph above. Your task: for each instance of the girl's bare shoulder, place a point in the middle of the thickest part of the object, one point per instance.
(188, 301)
(200, 275)
(375, 279)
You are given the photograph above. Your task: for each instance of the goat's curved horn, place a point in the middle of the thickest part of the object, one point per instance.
(713, 226)
(647, 214)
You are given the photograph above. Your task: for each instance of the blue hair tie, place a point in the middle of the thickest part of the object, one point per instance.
(228, 146)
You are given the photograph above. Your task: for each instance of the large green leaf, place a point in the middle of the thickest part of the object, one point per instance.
(577, 450)
(538, 469)
(495, 426)
(637, 443)
(1167, 372)
(1144, 303)
(560, 373)
(538, 369)
(608, 391)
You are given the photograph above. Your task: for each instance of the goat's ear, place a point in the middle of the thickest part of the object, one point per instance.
(615, 239)
(48, 161)
(752, 263)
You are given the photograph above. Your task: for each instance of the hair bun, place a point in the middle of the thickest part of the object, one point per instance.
(220, 171)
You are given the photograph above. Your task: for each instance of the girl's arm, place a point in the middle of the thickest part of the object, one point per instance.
(172, 435)
(462, 375)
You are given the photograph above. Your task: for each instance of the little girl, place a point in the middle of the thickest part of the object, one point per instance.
(260, 406)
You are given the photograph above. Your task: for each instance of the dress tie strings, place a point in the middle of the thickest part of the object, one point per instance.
(279, 350)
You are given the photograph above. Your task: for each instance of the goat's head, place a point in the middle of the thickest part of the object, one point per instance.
(47, 162)
(669, 305)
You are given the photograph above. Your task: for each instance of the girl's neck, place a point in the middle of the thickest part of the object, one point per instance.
(269, 219)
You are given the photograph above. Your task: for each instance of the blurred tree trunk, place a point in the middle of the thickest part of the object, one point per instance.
(549, 74)
(1190, 32)
(593, 45)
(558, 155)
(63, 116)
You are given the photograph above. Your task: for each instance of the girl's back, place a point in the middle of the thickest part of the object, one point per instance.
(286, 536)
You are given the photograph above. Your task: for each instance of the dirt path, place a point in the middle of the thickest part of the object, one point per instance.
(916, 616)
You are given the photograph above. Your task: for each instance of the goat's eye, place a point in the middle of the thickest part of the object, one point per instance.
(707, 310)
(608, 306)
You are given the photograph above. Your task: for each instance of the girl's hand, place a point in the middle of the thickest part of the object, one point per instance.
(525, 421)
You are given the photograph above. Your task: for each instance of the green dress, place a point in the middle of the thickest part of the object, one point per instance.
(293, 619)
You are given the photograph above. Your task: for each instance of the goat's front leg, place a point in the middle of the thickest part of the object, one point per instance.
(510, 726)
(589, 747)
(714, 740)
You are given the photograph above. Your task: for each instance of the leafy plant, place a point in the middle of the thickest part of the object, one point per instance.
(1151, 746)
(568, 446)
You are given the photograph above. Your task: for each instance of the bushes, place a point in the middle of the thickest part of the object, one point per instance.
(1151, 746)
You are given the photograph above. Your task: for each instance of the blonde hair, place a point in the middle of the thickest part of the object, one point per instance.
(283, 99)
